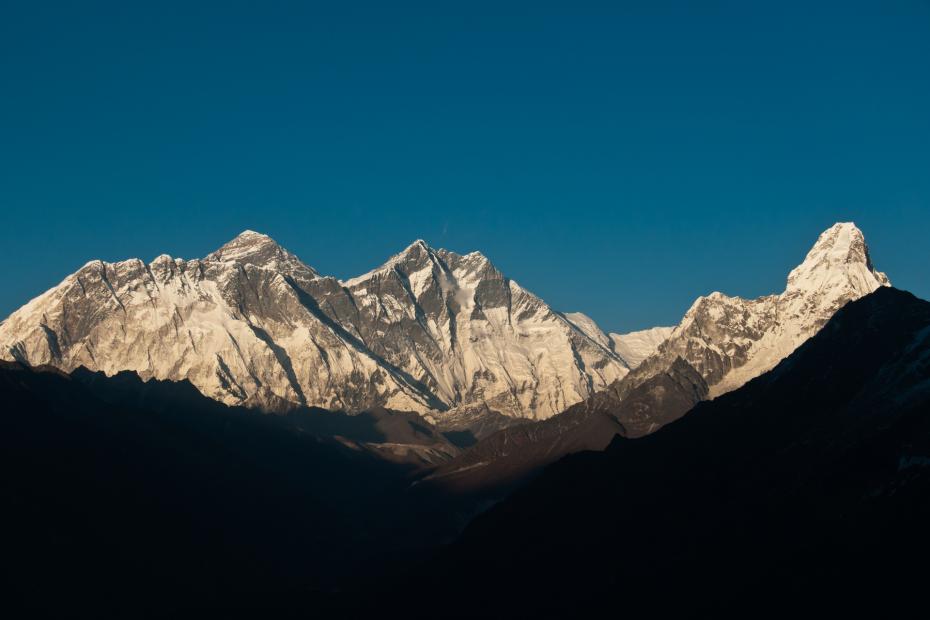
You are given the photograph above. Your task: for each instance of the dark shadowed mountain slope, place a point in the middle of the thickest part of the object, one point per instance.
(808, 488)
(721, 343)
(401, 437)
(499, 462)
(123, 497)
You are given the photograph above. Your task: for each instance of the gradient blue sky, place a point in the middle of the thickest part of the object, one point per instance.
(618, 159)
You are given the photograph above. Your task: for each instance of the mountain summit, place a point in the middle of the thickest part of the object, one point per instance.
(838, 262)
(431, 331)
(240, 324)
(730, 340)
(428, 331)
(252, 248)
(474, 337)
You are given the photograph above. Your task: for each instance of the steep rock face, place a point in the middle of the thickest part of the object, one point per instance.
(730, 340)
(430, 331)
(632, 347)
(589, 328)
(474, 337)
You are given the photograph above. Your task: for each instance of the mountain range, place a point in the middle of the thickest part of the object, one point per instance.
(730, 340)
(242, 433)
(806, 484)
(430, 331)
(443, 335)
(720, 344)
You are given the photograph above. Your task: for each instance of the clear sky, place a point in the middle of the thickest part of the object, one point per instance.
(618, 159)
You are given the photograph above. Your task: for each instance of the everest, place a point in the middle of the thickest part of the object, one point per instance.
(429, 331)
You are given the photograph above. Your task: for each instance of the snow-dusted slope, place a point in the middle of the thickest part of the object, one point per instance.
(588, 327)
(731, 340)
(636, 346)
(632, 348)
(428, 331)
(474, 337)
(237, 324)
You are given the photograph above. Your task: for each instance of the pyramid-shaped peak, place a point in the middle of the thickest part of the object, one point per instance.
(246, 242)
(839, 256)
(841, 243)
(417, 252)
(419, 245)
(418, 249)
(246, 238)
(254, 248)
(841, 235)
(414, 253)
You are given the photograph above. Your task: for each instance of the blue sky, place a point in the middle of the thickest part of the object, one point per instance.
(618, 159)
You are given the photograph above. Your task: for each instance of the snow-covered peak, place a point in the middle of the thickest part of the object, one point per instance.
(841, 243)
(429, 331)
(420, 255)
(730, 340)
(474, 260)
(417, 252)
(839, 260)
(243, 244)
(253, 248)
